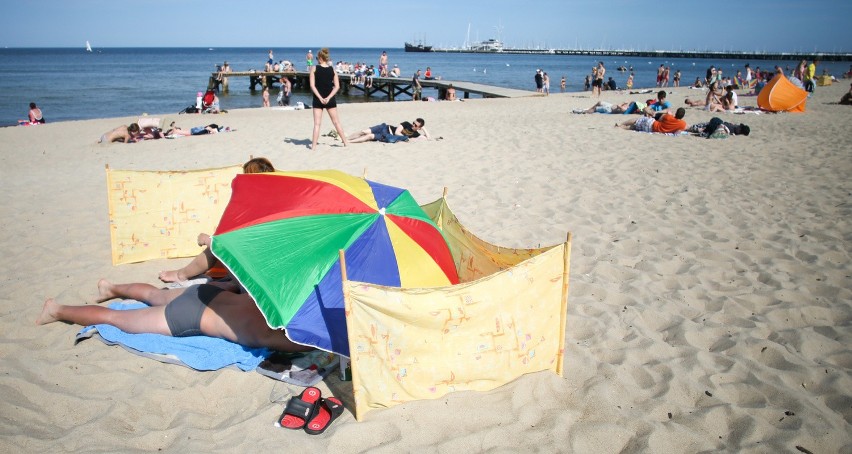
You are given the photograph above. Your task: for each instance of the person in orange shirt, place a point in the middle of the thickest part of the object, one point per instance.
(662, 123)
(667, 123)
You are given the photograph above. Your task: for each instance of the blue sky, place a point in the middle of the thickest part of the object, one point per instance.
(747, 25)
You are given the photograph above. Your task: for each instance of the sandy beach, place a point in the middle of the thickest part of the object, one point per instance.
(710, 304)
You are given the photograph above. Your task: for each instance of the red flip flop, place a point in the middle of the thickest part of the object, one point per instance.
(301, 409)
(327, 411)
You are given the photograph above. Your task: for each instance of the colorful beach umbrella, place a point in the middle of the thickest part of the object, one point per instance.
(281, 232)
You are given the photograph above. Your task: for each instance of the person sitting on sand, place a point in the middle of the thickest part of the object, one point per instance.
(725, 103)
(35, 114)
(663, 122)
(660, 104)
(206, 260)
(197, 310)
(123, 133)
(410, 131)
(847, 98)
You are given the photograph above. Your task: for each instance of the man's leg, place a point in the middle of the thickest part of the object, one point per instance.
(363, 138)
(147, 320)
(358, 134)
(138, 291)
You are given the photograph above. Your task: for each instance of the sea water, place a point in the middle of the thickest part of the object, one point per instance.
(72, 84)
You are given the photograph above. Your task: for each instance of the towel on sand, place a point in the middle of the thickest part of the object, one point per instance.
(196, 352)
(211, 353)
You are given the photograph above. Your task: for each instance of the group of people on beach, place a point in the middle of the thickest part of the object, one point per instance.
(325, 84)
(656, 116)
(219, 309)
(133, 132)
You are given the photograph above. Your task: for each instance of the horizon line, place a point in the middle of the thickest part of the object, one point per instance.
(756, 52)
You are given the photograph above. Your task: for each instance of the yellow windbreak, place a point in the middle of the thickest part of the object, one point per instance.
(159, 214)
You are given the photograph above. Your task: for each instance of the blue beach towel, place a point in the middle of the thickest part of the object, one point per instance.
(197, 352)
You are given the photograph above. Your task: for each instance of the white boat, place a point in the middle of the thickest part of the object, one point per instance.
(88, 47)
(491, 45)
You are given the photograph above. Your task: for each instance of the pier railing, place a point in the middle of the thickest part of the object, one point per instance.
(731, 55)
(391, 87)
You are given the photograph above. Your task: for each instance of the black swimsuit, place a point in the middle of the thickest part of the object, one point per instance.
(324, 81)
(183, 314)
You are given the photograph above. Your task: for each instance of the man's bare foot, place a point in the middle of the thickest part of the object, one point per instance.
(105, 291)
(170, 276)
(48, 312)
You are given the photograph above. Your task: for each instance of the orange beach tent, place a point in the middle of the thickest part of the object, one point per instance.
(780, 95)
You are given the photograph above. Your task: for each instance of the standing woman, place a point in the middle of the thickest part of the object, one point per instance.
(324, 85)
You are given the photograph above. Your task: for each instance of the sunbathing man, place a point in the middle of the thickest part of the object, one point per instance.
(123, 133)
(198, 310)
(604, 107)
(411, 131)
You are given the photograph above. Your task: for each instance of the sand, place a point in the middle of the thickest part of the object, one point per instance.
(709, 309)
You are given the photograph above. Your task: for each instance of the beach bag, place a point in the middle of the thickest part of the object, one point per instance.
(190, 109)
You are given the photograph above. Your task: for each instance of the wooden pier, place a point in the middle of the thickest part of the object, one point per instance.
(661, 54)
(390, 87)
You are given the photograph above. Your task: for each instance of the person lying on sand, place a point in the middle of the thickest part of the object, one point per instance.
(205, 260)
(212, 128)
(716, 124)
(652, 105)
(662, 122)
(603, 107)
(123, 133)
(384, 133)
(198, 310)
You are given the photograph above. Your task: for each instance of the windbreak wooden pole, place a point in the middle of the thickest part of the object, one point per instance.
(566, 268)
(347, 305)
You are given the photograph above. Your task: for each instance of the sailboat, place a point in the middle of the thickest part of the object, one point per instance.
(88, 47)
